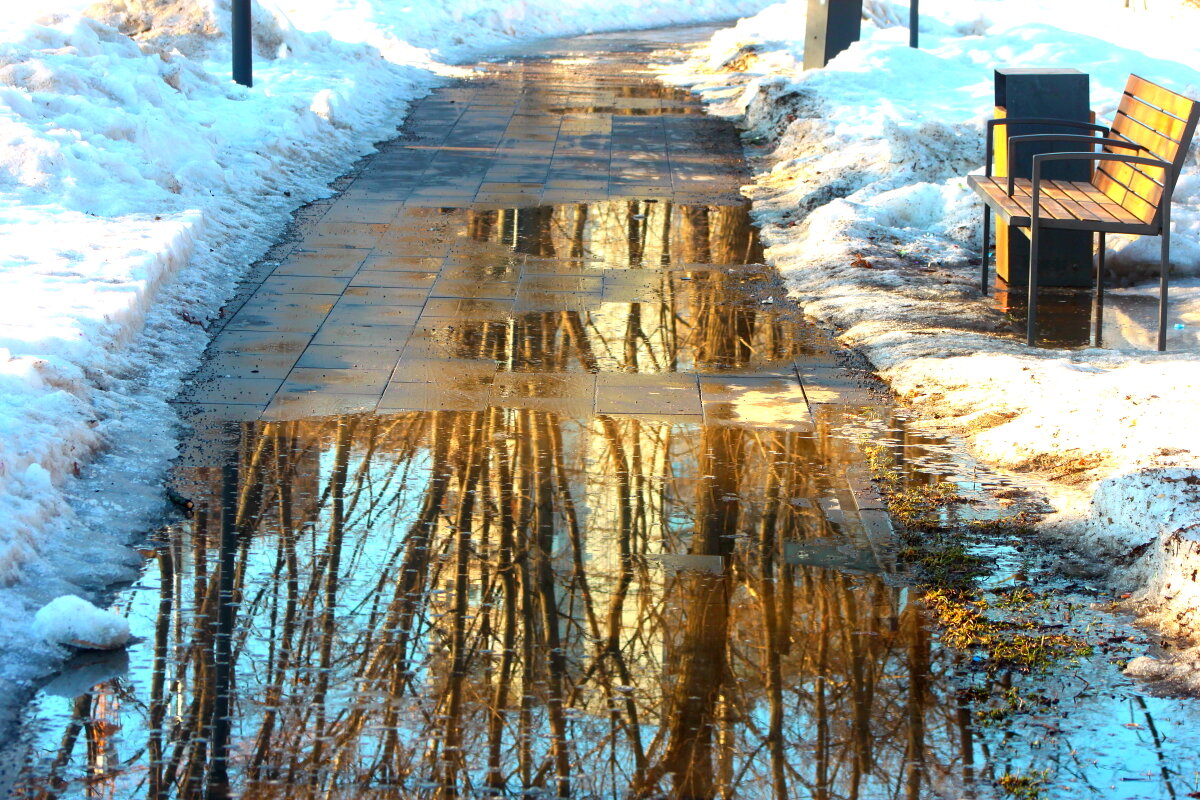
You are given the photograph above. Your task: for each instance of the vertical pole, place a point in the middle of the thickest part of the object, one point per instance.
(1034, 206)
(218, 778)
(914, 19)
(983, 257)
(1098, 297)
(1164, 271)
(243, 70)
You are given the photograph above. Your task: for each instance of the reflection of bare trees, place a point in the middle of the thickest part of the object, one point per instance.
(452, 603)
(654, 320)
(455, 617)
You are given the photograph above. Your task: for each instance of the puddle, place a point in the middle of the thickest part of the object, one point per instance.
(1124, 320)
(520, 476)
(512, 601)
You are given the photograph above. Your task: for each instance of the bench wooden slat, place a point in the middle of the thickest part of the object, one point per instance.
(1074, 214)
(1050, 208)
(1160, 97)
(1080, 196)
(1149, 116)
(1104, 203)
(1108, 210)
(1157, 145)
(1144, 208)
(997, 194)
(1136, 182)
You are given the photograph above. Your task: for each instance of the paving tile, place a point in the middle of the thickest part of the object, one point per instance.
(564, 395)
(231, 391)
(388, 263)
(301, 405)
(393, 280)
(332, 356)
(832, 385)
(248, 365)
(562, 283)
(337, 381)
(543, 385)
(324, 263)
(364, 335)
(452, 307)
(250, 318)
(346, 234)
(299, 284)
(350, 312)
(432, 397)
(477, 289)
(533, 302)
(647, 394)
(385, 296)
(363, 211)
(415, 369)
(260, 342)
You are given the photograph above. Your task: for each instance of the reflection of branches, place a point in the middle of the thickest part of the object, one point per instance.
(450, 602)
(507, 631)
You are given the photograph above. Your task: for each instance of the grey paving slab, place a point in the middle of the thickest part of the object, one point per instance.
(364, 335)
(350, 380)
(301, 405)
(332, 356)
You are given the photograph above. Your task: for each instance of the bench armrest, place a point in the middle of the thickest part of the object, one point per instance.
(1062, 123)
(1061, 137)
(1040, 159)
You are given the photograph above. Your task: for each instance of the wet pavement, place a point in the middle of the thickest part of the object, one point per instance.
(517, 475)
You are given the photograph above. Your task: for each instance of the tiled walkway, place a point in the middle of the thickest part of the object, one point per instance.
(573, 186)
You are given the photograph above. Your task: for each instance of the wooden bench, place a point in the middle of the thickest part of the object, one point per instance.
(1135, 168)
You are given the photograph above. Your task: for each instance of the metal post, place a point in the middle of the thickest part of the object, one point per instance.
(829, 28)
(243, 69)
(1164, 270)
(914, 18)
(1098, 296)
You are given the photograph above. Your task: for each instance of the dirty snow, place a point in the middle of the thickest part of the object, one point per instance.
(860, 191)
(71, 620)
(136, 184)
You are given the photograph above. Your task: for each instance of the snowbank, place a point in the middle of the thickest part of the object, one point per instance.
(860, 192)
(136, 184)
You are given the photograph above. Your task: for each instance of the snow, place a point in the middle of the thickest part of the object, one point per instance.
(73, 621)
(860, 190)
(137, 183)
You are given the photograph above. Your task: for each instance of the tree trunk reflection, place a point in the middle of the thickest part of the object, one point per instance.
(519, 601)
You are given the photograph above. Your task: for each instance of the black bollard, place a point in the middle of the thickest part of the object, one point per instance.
(831, 27)
(243, 68)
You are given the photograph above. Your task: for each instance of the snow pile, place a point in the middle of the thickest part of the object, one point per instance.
(137, 182)
(861, 193)
(73, 621)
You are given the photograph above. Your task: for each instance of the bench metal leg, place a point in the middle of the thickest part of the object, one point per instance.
(1164, 270)
(987, 236)
(1098, 297)
(1031, 310)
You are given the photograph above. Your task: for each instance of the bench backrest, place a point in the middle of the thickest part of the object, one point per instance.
(1161, 121)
